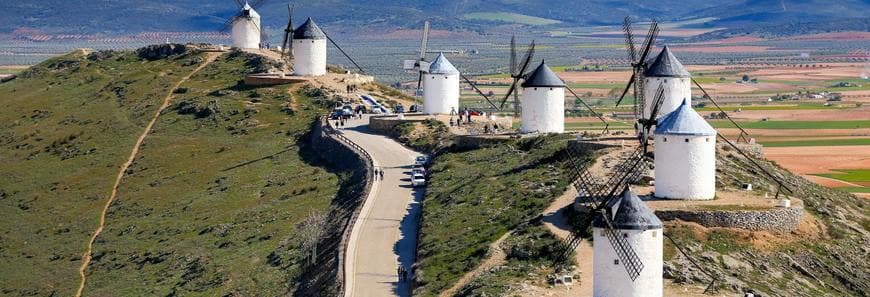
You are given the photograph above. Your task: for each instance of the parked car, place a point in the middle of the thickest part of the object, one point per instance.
(400, 108)
(416, 108)
(421, 160)
(418, 171)
(418, 180)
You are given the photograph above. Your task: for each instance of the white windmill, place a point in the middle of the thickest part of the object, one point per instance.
(543, 102)
(640, 233)
(244, 27)
(667, 72)
(309, 50)
(440, 87)
(685, 156)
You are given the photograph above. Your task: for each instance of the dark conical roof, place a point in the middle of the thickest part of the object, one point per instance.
(666, 65)
(628, 212)
(543, 77)
(308, 30)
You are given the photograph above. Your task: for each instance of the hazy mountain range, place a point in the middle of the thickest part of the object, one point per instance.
(130, 16)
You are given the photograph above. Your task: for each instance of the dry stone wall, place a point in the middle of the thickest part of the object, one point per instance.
(776, 220)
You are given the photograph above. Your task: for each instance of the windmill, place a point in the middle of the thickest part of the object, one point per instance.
(308, 44)
(245, 25)
(638, 66)
(287, 45)
(517, 72)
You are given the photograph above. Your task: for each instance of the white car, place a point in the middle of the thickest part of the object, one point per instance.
(418, 180)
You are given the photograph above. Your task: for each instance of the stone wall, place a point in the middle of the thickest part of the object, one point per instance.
(776, 220)
(384, 124)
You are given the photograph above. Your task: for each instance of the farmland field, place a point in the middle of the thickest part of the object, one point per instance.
(509, 18)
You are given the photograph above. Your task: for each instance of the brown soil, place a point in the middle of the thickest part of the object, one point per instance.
(860, 113)
(820, 159)
(722, 49)
(851, 35)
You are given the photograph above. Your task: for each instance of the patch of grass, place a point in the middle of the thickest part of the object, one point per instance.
(818, 142)
(855, 189)
(509, 17)
(475, 196)
(799, 106)
(794, 124)
(850, 175)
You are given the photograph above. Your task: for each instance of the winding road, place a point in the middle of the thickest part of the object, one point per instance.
(384, 235)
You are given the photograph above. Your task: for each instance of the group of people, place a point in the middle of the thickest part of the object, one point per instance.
(402, 273)
(350, 88)
(379, 174)
(465, 114)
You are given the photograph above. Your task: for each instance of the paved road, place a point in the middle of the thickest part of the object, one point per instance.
(385, 234)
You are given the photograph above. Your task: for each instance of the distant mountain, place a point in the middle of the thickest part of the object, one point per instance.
(129, 16)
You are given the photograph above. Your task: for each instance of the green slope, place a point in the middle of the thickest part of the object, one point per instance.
(209, 207)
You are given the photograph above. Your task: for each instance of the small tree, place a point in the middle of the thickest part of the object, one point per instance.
(311, 232)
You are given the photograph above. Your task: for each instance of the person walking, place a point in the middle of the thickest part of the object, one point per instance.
(381, 173)
(399, 271)
(404, 274)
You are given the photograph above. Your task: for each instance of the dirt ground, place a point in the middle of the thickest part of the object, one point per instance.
(798, 133)
(820, 159)
(860, 113)
(722, 49)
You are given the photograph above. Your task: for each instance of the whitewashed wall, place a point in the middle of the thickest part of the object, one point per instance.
(309, 57)
(245, 34)
(543, 110)
(612, 280)
(440, 93)
(676, 89)
(685, 170)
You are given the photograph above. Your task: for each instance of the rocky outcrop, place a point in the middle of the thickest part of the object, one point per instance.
(160, 51)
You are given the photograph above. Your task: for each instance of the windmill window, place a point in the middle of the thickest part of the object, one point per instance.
(536, 89)
(551, 89)
(615, 261)
(665, 139)
(445, 77)
(624, 235)
(687, 140)
(708, 139)
(654, 233)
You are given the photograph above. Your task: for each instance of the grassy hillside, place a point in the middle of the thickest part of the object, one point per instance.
(67, 125)
(476, 196)
(209, 207)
